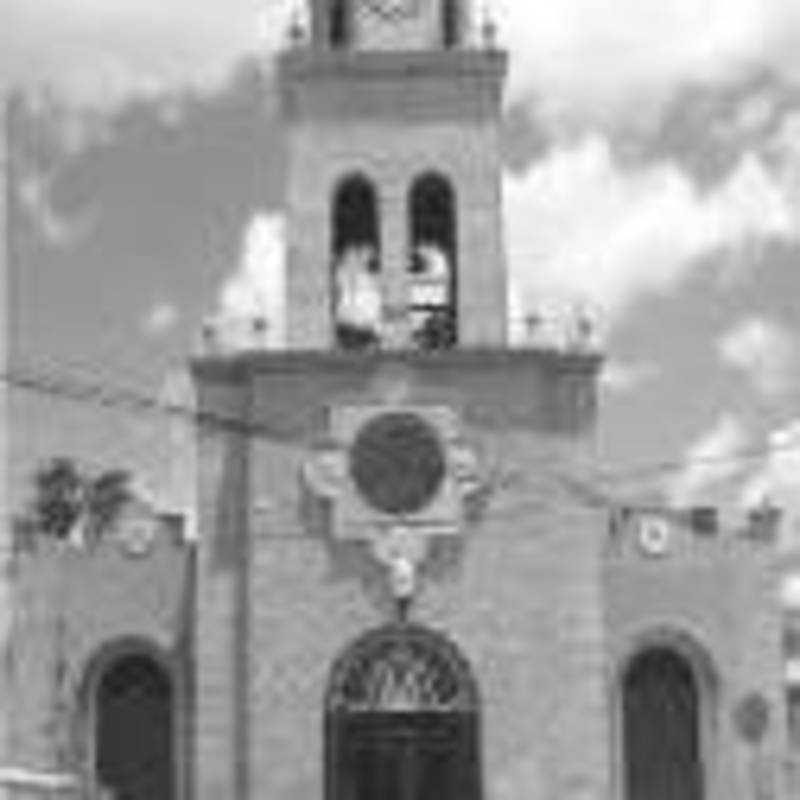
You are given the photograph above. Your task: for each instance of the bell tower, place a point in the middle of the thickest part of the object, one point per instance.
(392, 111)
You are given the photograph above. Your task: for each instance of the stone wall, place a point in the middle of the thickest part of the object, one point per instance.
(75, 610)
(715, 599)
(520, 594)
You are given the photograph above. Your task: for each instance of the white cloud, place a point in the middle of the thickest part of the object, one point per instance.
(778, 479)
(583, 55)
(624, 377)
(709, 462)
(578, 53)
(257, 289)
(101, 53)
(34, 193)
(764, 351)
(581, 228)
(784, 151)
(779, 476)
(729, 467)
(161, 319)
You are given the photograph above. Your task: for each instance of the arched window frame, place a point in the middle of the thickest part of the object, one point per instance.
(348, 182)
(447, 190)
(690, 647)
(96, 668)
(357, 182)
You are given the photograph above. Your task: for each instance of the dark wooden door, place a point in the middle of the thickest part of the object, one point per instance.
(661, 709)
(405, 757)
(134, 728)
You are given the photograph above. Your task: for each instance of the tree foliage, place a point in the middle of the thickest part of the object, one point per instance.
(65, 495)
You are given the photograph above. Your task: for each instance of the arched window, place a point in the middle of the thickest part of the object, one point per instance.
(433, 263)
(339, 23)
(134, 730)
(402, 720)
(450, 23)
(663, 757)
(355, 263)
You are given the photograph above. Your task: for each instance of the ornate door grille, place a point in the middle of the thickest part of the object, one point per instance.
(402, 720)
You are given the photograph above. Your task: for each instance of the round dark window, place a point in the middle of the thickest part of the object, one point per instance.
(397, 463)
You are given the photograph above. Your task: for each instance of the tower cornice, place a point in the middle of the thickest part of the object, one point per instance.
(305, 64)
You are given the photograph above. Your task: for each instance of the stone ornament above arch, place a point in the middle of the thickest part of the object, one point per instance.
(677, 637)
(401, 669)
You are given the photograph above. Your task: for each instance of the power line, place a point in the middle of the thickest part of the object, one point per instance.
(108, 396)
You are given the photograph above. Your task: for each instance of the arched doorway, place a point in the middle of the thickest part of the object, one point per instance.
(133, 730)
(662, 728)
(355, 264)
(402, 720)
(433, 263)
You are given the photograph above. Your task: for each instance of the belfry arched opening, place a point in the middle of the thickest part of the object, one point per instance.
(433, 263)
(355, 265)
(402, 720)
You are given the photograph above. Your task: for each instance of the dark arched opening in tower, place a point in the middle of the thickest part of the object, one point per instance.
(433, 264)
(339, 31)
(356, 293)
(134, 730)
(662, 728)
(450, 23)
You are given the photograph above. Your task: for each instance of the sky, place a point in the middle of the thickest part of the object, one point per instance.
(651, 175)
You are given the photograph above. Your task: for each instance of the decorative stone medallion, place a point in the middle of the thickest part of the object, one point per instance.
(397, 463)
(751, 716)
(396, 476)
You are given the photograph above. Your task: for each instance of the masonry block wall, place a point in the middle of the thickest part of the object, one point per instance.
(80, 609)
(392, 117)
(520, 595)
(717, 599)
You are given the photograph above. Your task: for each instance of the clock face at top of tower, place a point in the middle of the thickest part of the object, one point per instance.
(404, 24)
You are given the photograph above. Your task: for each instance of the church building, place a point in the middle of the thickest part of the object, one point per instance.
(400, 587)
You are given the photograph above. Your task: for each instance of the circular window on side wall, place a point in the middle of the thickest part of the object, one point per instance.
(397, 463)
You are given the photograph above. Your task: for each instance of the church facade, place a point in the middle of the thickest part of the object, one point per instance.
(402, 587)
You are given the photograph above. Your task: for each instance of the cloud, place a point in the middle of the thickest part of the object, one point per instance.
(716, 471)
(625, 377)
(161, 319)
(783, 150)
(573, 53)
(61, 230)
(709, 462)
(577, 56)
(778, 479)
(101, 53)
(257, 289)
(581, 227)
(762, 350)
